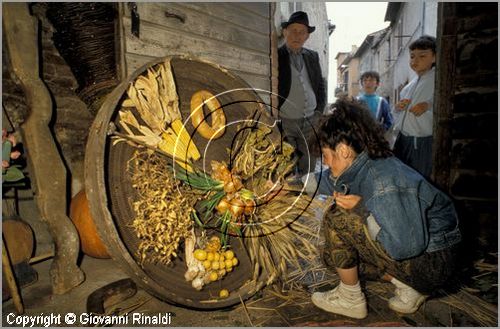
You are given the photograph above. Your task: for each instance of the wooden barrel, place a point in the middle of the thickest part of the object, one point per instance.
(111, 195)
(90, 241)
(19, 240)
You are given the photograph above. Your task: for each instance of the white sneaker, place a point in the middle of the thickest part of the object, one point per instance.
(335, 301)
(407, 300)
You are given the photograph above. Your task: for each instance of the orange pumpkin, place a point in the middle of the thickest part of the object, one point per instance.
(90, 241)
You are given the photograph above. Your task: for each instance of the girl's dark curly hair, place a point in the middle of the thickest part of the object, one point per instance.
(352, 123)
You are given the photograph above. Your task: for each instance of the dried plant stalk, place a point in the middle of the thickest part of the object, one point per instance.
(163, 208)
(259, 155)
(275, 237)
(484, 313)
(278, 239)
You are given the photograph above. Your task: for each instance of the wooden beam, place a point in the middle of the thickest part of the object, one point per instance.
(11, 280)
(46, 168)
(443, 95)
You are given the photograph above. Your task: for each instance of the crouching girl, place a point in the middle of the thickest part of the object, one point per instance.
(386, 217)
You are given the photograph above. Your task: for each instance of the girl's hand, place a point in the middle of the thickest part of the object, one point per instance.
(420, 108)
(346, 201)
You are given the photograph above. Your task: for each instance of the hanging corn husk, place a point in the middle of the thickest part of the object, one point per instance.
(155, 100)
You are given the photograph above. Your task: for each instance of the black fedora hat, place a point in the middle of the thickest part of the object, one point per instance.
(299, 17)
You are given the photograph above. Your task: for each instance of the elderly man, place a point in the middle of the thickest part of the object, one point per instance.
(301, 89)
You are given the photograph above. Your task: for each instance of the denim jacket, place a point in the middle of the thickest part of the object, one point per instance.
(413, 215)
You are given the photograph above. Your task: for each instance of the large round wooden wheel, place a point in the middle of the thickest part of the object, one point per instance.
(111, 194)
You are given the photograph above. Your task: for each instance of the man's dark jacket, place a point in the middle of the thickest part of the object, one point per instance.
(311, 61)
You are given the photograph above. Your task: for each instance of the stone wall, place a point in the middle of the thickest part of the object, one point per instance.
(467, 102)
(71, 120)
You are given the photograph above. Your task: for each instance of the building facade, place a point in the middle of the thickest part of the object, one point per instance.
(408, 21)
(369, 52)
(347, 73)
(386, 51)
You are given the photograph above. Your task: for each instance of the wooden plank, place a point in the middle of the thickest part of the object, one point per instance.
(259, 8)
(8, 273)
(186, 20)
(255, 81)
(224, 13)
(121, 64)
(135, 61)
(233, 13)
(159, 42)
(258, 83)
(443, 109)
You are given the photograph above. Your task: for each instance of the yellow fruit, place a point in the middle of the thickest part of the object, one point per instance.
(215, 265)
(213, 247)
(200, 254)
(222, 264)
(235, 261)
(213, 244)
(213, 276)
(221, 258)
(224, 293)
(222, 272)
(207, 264)
(229, 269)
(229, 254)
(228, 263)
(210, 256)
(216, 257)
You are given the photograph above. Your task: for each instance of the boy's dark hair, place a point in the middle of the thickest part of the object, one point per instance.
(352, 123)
(424, 42)
(370, 74)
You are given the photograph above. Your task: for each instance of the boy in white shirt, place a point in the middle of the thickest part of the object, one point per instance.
(415, 120)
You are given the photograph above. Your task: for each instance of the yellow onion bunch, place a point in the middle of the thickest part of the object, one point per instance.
(237, 200)
(226, 198)
(235, 203)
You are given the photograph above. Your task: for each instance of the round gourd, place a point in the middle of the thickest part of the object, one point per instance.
(89, 239)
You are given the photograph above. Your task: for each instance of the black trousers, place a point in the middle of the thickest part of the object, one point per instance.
(416, 152)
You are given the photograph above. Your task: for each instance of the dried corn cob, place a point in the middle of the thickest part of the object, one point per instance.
(155, 98)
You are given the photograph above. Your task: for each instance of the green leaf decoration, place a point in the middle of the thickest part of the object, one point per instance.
(12, 174)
